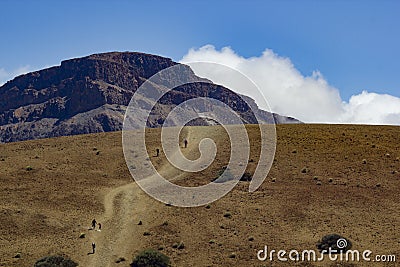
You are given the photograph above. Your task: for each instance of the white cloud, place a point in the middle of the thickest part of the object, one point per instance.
(8, 75)
(288, 92)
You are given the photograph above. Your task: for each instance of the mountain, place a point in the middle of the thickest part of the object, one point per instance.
(91, 94)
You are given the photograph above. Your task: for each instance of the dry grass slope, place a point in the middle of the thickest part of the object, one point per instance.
(325, 179)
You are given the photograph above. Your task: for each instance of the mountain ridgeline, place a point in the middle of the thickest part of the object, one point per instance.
(91, 95)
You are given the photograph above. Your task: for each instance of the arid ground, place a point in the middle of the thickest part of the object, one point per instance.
(325, 179)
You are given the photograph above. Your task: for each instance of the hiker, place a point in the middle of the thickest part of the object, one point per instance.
(158, 152)
(185, 142)
(93, 247)
(94, 223)
(99, 226)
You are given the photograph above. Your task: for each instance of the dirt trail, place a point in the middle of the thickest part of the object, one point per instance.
(124, 207)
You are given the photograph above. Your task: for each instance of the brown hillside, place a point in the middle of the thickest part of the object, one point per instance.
(319, 184)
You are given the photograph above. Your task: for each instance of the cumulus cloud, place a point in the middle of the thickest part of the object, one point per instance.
(288, 92)
(8, 75)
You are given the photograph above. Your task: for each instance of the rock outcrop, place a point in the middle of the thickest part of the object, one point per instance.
(91, 94)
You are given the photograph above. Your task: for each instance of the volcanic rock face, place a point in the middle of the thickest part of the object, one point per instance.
(91, 94)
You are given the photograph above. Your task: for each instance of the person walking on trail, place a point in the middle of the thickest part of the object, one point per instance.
(158, 152)
(93, 247)
(185, 142)
(94, 223)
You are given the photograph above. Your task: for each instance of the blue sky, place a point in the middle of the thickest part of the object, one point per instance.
(354, 44)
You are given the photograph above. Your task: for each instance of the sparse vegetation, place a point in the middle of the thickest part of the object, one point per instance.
(246, 177)
(224, 175)
(151, 258)
(55, 261)
(181, 245)
(228, 215)
(304, 170)
(120, 259)
(221, 235)
(28, 168)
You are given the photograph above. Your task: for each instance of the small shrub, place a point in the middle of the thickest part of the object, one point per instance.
(151, 258)
(330, 180)
(273, 180)
(304, 170)
(232, 255)
(224, 175)
(246, 177)
(28, 168)
(364, 161)
(181, 245)
(146, 233)
(251, 238)
(319, 183)
(82, 235)
(212, 241)
(208, 206)
(228, 215)
(55, 261)
(120, 259)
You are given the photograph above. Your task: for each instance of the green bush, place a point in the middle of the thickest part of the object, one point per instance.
(55, 261)
(151, 258)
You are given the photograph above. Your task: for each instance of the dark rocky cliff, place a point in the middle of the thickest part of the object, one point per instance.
(90, 94)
